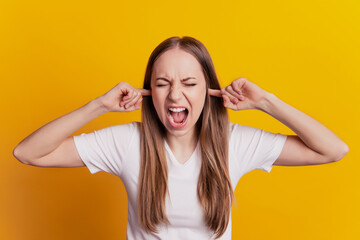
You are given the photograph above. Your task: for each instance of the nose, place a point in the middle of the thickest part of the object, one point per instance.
(175, 93)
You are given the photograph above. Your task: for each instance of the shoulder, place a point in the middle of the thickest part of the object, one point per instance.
(120, 134)
(243, 135)
(238, 129)
(126, 127)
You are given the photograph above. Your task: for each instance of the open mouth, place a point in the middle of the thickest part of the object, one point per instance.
(177, 116)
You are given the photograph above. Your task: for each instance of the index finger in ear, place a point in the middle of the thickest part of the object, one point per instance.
(144, 92)
(214, 92)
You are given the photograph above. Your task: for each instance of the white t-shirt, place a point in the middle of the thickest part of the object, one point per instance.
(116, 150)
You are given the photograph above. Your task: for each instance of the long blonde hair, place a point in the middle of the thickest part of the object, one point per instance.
(214, 188)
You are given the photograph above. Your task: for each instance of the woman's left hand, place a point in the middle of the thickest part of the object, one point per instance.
(241, 94)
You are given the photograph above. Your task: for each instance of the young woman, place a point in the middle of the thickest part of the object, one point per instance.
(181, 164)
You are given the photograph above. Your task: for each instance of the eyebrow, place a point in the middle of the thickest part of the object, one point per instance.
(183, 80)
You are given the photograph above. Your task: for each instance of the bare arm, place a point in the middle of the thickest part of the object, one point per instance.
(49, 137)
(313, 144)
(52, 146)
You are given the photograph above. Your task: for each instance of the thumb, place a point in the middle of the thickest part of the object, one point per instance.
(225, 98)
(144, 92)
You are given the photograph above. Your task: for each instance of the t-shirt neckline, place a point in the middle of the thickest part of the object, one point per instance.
(173, 158)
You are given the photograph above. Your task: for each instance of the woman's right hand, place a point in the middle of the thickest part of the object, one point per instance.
(123, 98)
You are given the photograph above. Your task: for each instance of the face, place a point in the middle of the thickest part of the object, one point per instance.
(178, 91)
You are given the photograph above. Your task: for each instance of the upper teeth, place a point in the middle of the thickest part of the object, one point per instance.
(176, 109)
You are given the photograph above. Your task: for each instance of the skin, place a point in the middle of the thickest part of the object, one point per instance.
(169, 89)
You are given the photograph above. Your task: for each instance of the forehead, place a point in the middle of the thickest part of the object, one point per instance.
(177, 63)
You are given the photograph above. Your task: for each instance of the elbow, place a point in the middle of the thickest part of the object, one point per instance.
(17, 156)
(345, 150)
(341, 153)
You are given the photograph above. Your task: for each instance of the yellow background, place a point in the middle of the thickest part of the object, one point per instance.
(56, 56)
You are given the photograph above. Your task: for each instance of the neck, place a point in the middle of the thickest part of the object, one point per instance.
(184, 142)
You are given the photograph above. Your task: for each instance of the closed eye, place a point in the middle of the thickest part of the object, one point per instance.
(190, 85)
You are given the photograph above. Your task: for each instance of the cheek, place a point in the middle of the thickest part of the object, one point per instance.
(201, 96)
(158, 101)
(198, 99)
(202, 101)
(155, 97)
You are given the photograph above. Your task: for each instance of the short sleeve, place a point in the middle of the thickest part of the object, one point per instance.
(105, 149)
(255, 148)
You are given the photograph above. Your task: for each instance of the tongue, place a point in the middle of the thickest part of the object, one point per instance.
(178, 116)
